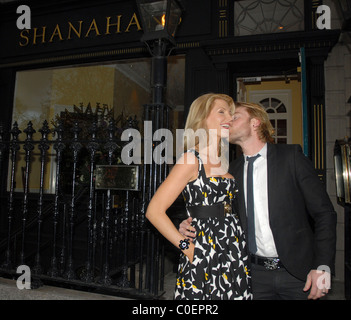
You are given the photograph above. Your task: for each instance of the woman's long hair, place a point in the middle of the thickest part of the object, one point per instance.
(198, 113)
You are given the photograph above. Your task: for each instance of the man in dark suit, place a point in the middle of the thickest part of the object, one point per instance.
(292, 237)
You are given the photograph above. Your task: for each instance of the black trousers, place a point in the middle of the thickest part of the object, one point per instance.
(276, 284)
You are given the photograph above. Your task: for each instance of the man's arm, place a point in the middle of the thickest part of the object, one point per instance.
(322, 212)
(319, 208)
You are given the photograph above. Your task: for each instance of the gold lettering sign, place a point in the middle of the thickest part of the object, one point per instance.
(57, 32)
(24, 35)
(117, 24)
(71, 27)
(94, 27)
(133, 21)
(39, 35)
(77, 29)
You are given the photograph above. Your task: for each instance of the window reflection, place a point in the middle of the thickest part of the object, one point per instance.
(119, 89)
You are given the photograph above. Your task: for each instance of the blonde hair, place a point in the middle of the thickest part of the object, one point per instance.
(265, 131)
(198, 113)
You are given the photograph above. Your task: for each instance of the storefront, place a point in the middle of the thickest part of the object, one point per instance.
(76, 54)
(87, 58)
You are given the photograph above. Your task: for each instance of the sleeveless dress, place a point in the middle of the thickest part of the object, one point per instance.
(219, 270)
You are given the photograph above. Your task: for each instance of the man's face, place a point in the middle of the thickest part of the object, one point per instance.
(240, 128)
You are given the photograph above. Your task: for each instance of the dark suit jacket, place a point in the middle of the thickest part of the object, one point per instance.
(296, 197)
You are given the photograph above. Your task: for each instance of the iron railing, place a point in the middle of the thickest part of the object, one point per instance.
(78, 236)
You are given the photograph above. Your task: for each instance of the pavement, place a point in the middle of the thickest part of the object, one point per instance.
(9, 291)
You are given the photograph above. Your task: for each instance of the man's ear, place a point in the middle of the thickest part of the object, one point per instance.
(255, 123)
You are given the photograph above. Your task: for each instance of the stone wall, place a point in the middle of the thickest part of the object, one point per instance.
(338, 119)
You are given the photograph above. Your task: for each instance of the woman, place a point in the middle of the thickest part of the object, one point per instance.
(213, 266)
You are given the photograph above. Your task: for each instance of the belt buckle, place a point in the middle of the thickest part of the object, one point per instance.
(227, 208)
(271, 263)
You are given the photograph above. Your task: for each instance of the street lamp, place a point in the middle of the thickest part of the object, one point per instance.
(159, 19)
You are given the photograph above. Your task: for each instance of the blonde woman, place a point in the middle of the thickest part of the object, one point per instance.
(214, 265)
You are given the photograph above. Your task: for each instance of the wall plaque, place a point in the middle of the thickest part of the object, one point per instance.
(117, 177)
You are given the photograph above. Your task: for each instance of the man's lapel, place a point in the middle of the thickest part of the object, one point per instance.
(241, 193)
(272, 163)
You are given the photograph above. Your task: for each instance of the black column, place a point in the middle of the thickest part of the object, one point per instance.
(317, 114)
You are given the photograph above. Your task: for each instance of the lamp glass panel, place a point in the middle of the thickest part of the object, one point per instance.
(174, 18)
(154, 14)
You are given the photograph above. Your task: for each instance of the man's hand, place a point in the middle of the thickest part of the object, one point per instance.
(319, 283)
(186, 229)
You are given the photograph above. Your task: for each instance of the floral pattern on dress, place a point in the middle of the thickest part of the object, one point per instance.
(219, 270)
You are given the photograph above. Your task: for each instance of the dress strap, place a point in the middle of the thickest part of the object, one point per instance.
(201, 169)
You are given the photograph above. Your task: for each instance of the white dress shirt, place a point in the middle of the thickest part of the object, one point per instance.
(264, 237)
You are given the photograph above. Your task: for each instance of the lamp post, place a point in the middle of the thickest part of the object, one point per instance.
(159, 19)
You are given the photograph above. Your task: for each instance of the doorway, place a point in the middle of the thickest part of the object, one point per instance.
(281, 98)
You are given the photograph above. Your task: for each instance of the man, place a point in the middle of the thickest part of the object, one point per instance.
(292, 236)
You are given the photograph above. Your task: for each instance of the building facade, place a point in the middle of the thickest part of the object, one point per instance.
(88, 58)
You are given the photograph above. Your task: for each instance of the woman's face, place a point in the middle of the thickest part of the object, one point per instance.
(219, 119)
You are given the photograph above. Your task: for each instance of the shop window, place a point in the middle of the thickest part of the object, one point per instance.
(86, 93)
(268, 16)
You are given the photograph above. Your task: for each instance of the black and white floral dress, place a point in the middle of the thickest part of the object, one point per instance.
(219, 270)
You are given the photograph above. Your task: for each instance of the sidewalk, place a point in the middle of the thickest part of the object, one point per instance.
(9, 291)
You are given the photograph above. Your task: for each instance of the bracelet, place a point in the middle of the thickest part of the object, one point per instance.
(184, 244)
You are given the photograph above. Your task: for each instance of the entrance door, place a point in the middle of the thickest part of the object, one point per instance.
(282, 101)
(278, 105)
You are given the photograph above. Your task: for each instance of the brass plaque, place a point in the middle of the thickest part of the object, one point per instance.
(117, 177)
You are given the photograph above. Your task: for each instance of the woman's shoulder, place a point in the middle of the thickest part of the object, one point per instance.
(190, 157)
(187, 164)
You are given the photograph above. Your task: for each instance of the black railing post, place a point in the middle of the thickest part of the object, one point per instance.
(28, 147)
(43, 147)
(59, 147)
(3, 149)
(14, 147)
(110, 147)
(142, 224)
(123, 279)
(93, 146)
(76, 147)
